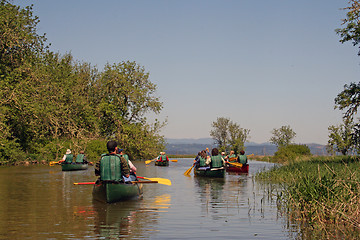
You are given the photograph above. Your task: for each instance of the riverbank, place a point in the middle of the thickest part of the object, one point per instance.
(321, 193)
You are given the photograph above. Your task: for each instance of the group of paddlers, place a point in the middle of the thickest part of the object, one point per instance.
(68, 158)
(215, 160)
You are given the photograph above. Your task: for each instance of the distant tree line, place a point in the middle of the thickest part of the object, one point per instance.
(50, 102)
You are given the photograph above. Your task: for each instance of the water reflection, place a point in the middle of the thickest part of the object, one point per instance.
(135, 219)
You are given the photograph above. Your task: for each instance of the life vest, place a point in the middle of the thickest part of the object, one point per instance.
(243, 159)
(216, 161)
(126, 157)
(69, 158)
(110, 167)
(163, 158)
(202, 162)
(79, 158)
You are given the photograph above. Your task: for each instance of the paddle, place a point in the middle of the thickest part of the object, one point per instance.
(52, 163)
(236, 164)
(187, 172)
(149, 161)
(163, 181)
(175, 160)
(92, 183)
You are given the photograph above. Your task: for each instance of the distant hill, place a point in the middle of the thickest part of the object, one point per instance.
(193, 146)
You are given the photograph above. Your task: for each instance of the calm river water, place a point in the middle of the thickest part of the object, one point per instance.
(41, 202)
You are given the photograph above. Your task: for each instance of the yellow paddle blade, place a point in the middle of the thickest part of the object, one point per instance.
(160, 180)
(175, 160)
(187, 172)
(52, 163)
(149, 161)
(236, 164)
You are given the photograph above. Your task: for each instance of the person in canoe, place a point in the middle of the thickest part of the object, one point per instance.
(216, 160)
(112, 167)
(67, 158)
(162, 157)
(201, 159)
(242, 158)
(130, 164)
(232, 157)
(81, 158)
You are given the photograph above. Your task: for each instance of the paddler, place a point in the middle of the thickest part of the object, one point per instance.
(242, 158)
(216, 160)
(112, 167)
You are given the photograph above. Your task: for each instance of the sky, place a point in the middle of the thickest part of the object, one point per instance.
(263, 64)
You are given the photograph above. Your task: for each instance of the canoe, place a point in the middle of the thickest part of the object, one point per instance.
(111, 191)
(162, 163)
(213, 172)
(74, 166)
(243, 169)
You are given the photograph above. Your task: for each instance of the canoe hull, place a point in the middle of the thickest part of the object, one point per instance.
(243, 169)
(74, 167)
(213, 173)
(111, 192)
(163, 164)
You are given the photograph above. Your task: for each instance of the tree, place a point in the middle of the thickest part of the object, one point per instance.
(228, 135)
(341, 137)
(122, 95)
(282, 136)
(351, 30)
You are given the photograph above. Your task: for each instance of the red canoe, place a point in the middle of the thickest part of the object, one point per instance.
(243, 169)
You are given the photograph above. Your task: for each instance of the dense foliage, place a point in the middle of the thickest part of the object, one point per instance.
(51, 102)
(291, 152)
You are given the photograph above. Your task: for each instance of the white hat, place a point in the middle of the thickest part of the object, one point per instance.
(68, 151)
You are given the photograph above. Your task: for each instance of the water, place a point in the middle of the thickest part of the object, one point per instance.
(41, 202)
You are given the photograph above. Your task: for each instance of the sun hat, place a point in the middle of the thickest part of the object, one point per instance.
(68, 151)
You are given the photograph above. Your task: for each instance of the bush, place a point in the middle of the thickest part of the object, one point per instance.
(291, 152)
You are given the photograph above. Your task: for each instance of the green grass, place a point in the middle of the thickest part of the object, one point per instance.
(322, 192)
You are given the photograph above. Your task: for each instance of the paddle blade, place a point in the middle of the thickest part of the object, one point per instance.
(52, 163)
(84, 183)
(163, 181)
(188, 171)
(236, 164)
(175, 160)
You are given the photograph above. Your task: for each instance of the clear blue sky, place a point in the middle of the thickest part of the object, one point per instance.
(263, 64)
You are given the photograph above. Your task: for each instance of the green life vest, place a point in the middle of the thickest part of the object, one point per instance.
(216, 161)
(243, 159)
(69, 158)
(126, 157)
(202, 162)
(79, 158)
(110, 168)
(162, 158)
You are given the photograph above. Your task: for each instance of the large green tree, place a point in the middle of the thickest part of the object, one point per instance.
(50, 102)
(282, 136)
(228, 135)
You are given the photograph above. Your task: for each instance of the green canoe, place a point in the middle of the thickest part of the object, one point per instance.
(111, 191)
(213, 172)
(74, 166)
(162, 163)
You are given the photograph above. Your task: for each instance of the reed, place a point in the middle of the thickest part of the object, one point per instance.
(322, 193)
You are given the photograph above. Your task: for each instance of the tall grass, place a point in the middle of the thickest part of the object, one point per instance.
(323, 193)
